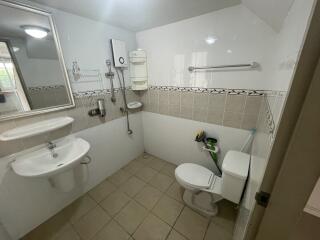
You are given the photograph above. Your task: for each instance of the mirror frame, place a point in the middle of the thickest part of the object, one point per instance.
(60, 58)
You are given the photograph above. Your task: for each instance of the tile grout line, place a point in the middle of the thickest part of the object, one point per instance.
(208, 224)
(184, 206)
(133, 199)
(151, 210)
(112, 218)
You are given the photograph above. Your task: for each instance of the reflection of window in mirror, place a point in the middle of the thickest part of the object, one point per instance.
(12, 96)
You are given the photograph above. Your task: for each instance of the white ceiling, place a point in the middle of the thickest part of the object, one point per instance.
(273, 12)
(137, 15)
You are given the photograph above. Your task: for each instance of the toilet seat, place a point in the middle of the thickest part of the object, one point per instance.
(194, 176)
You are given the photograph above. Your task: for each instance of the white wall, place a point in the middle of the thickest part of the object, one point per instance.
(272, 12)
(172, 48)
(88, 42)
(3, 233)
(288, 44)
(26, 203)
(173, 139)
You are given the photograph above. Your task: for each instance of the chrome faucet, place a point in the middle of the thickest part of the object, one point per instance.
(51, 146)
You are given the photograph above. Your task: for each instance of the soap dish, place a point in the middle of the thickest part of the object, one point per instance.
(134, 105)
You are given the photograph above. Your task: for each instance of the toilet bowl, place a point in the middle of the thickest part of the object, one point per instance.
(203, 189)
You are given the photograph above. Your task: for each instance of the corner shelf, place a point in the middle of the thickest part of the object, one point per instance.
(35, 128)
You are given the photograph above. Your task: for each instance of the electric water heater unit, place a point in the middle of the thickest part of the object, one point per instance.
(119, 53)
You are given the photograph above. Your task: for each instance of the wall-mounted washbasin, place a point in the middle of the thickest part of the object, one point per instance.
(55, 161)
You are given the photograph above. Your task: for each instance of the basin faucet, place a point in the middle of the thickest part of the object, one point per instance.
(51, 146)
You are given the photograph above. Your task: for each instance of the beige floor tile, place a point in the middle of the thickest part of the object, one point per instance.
(69, 234)
(102, 190)
(148, 197)
(131, 216)
(174, 235)
(156, 163)
(176, 191)
(115, 202)
(168, 209)
(91, 223)
(191, 224)
(169, 169)
(152, 228)
(50, 229)
(132, 186)
(112, 231)
(119, 177)
(79, 208)
(133, 167)
(217, 232)
(161, 182)
(226, 217)
(146, 174)
(144, 158)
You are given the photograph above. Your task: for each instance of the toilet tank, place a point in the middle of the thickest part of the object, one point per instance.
(235, 169)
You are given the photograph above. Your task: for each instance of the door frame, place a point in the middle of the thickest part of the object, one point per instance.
(301, 97)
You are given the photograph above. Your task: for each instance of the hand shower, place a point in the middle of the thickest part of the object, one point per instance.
(123, 90)
(110, 75)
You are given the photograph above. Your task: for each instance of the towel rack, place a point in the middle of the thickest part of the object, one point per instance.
(248, 65)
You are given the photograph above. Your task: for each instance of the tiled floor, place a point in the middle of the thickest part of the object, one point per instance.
(142, 201)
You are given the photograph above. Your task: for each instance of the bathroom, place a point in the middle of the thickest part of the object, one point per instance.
(130, 92)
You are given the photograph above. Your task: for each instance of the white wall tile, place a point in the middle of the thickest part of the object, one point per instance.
(241, 37)
(172, 139)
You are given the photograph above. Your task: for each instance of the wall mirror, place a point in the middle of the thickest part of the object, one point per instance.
(33, 77)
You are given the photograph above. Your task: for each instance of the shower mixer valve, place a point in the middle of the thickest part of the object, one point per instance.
(100, 110)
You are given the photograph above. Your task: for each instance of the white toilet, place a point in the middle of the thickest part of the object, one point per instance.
(203, 189)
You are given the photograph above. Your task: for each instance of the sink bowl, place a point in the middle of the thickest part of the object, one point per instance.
(41, 163)
(59, 170)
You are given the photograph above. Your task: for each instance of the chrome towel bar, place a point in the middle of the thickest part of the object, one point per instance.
(252, 65)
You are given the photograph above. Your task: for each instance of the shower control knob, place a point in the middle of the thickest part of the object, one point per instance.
(121, 60)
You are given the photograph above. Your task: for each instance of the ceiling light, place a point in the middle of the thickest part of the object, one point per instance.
(36, 32)
(211, 40)
(229, 51)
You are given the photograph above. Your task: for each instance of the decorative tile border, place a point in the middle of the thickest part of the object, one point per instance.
(97, 92)
(210, 90)
(42, 88)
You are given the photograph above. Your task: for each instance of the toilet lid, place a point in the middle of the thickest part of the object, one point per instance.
(194, 175)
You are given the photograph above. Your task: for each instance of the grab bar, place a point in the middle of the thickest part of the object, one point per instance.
(250, 65)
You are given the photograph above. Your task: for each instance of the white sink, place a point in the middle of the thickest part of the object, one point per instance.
(41, 163)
